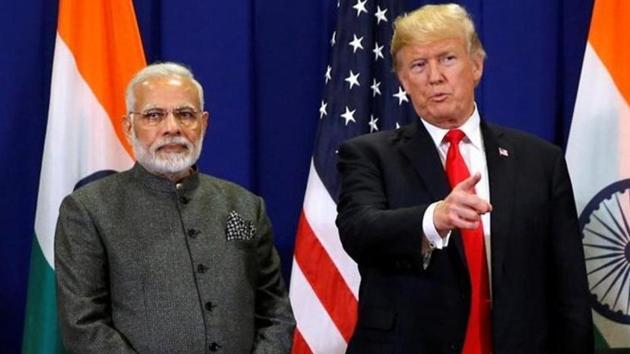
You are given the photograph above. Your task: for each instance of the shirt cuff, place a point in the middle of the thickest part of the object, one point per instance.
(430, 232)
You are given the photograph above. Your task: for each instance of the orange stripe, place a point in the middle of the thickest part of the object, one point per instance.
(104, 38)
(323, 276)
(610, 38)
(299, 344)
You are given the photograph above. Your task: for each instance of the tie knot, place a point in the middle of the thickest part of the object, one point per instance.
(454, 136)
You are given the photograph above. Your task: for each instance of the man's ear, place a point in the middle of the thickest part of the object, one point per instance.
(127, 128)
(402, 79)
(205, 121)
(477, 63)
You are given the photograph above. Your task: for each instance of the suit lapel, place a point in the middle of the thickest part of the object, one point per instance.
(501, 159)
(416, 144)
(418, 147)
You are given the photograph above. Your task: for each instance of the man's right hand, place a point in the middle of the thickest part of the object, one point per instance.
(462, 208)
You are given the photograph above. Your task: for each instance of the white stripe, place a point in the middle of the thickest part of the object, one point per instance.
(593, 146)
(313, 322)
(80, 140)
(595, 159)
(616, 334)
(321, 211)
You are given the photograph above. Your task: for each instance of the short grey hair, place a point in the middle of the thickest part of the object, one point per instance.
(160, 70)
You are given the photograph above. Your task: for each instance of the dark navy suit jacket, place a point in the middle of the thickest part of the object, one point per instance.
(539, 284)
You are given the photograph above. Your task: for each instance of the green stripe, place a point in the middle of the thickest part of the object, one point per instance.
(600, 341)
(41, 332)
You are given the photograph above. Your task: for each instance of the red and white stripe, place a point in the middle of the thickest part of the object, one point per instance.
(324, 279)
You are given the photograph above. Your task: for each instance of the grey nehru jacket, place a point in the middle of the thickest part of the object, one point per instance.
(146, 265)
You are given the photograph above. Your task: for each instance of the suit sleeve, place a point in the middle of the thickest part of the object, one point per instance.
(368, 226)
(274, 317)
(83, 298)
(573, 321)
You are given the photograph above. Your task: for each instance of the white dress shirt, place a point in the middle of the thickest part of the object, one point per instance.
(472, 150)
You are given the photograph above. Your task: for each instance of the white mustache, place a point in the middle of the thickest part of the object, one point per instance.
(171, 140)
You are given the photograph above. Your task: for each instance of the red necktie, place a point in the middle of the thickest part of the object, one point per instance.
(479, 330)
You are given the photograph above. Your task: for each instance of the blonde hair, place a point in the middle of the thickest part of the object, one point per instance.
(431, 23)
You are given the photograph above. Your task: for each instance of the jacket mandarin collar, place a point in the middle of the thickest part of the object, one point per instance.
(162, 184)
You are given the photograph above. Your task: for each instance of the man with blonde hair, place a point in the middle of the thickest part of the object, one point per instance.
(465, 233)
(161, 258)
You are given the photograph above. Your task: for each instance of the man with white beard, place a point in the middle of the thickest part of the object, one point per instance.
(162, 258)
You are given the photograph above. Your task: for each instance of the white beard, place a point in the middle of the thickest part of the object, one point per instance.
(167, 163)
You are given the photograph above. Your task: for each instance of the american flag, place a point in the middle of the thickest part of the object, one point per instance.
(361, 95)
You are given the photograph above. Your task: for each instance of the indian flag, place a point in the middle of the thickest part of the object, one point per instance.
(97, 50)
(598, 155)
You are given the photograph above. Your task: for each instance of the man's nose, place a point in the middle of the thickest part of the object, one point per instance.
(171, 124)
(435, 73)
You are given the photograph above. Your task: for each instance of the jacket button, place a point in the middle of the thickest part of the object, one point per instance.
(214, 346)
(210, 306)
(192, 233)
(201, 268)
(184, 200)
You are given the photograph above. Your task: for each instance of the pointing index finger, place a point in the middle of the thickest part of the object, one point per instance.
(470, 182)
